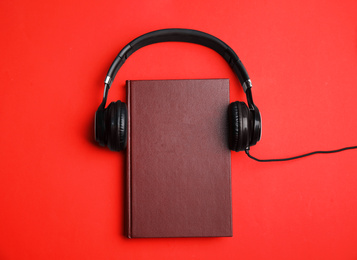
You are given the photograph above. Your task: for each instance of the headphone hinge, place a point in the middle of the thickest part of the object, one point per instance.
(108, 81)
(247, 84)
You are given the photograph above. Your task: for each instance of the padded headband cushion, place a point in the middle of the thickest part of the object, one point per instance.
(179, 35)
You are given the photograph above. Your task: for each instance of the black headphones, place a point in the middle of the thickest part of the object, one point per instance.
(110, 124)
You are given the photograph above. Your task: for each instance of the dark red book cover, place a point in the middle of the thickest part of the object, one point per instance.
(178, 181)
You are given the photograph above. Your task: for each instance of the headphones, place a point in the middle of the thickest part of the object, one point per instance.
(244, 122)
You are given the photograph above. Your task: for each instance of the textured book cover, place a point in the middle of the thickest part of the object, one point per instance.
(178, 176)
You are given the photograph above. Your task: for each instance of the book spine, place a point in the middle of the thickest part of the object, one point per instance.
(128, 170)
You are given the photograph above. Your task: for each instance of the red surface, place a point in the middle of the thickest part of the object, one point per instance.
(61, 196)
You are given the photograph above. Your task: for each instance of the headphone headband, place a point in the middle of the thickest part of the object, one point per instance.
(182, 35)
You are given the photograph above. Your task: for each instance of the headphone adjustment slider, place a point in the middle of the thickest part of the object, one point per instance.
(247, 84)
(108, 81)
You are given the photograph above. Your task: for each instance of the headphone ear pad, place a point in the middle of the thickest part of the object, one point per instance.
(116, 126)
(238, 125)
(99, 126)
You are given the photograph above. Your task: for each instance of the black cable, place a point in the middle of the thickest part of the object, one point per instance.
(299, 156)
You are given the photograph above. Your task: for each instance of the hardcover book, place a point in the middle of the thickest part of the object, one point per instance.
(178, 174)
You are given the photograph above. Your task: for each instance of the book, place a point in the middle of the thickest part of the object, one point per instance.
(178, 164)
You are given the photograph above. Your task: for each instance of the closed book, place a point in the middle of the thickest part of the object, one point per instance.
(178, 169)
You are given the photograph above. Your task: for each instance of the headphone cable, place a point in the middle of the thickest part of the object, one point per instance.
(299, 156)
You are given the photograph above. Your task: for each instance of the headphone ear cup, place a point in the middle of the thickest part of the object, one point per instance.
(116, 124)
(238, 124)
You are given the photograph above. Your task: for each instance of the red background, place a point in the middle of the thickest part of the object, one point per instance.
(61, 196)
